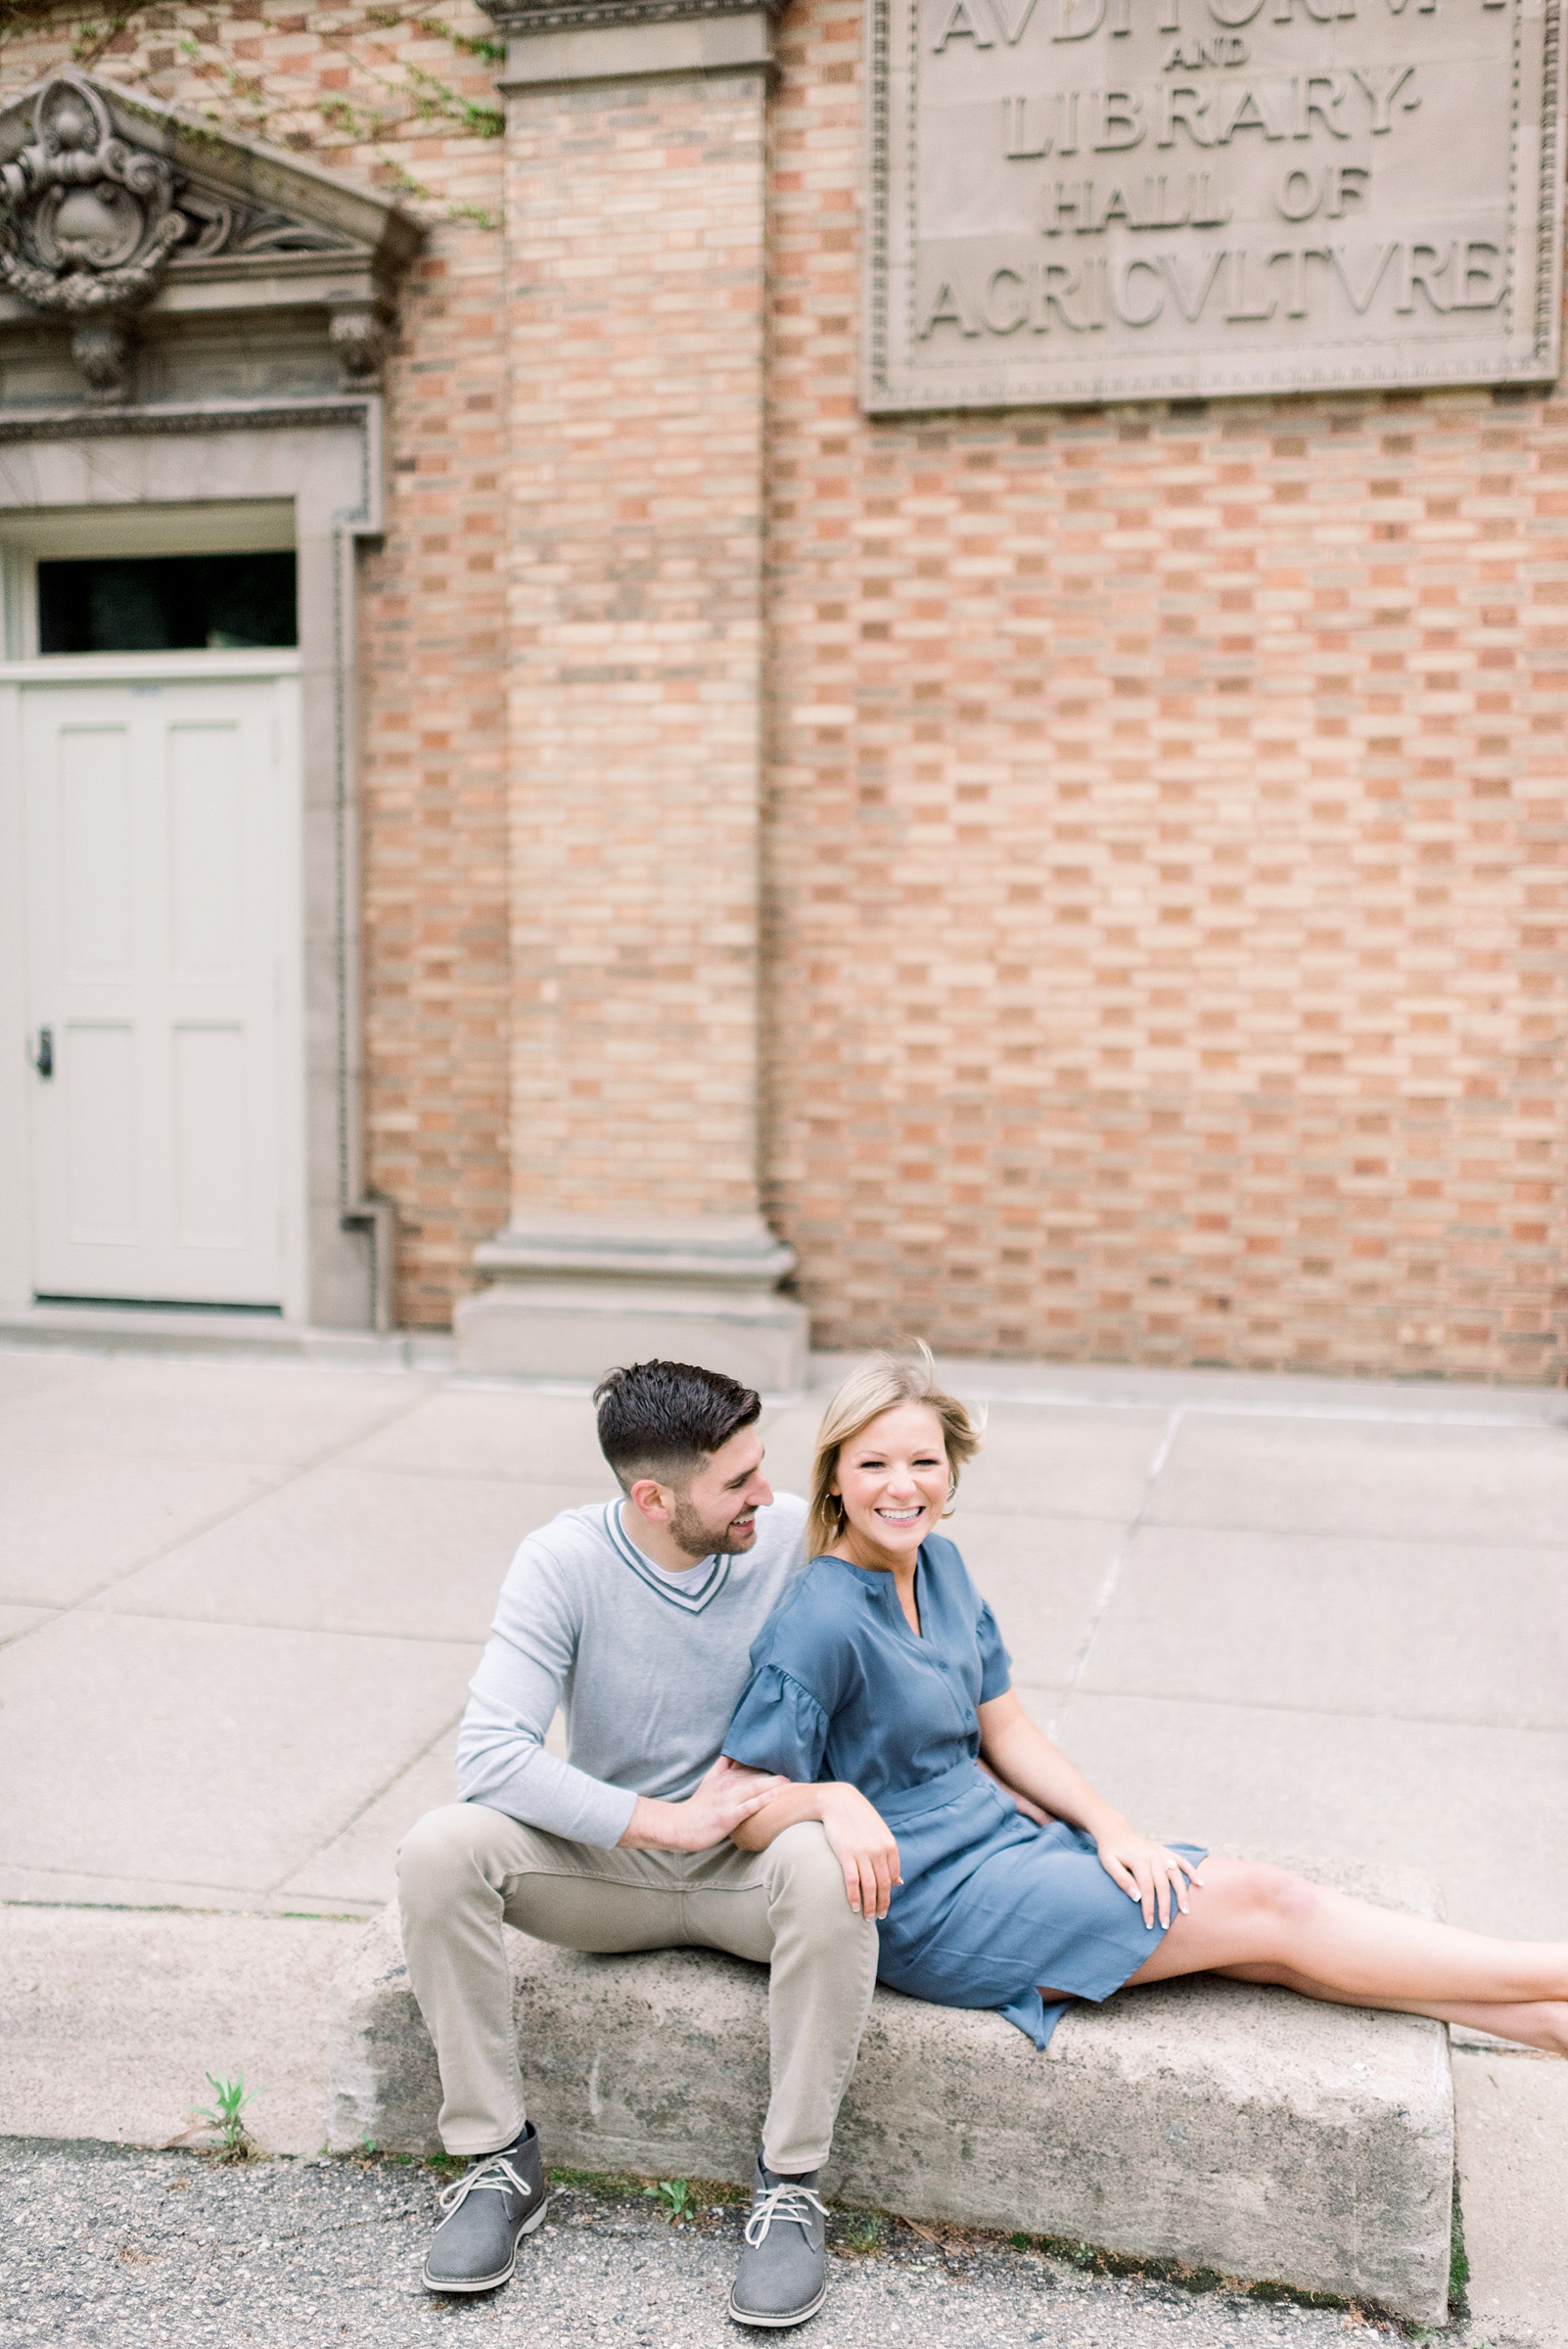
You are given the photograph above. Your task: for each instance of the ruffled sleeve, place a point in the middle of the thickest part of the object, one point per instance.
(778, 1725)
(995, 1664)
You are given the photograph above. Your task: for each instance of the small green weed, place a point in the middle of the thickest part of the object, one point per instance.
(674, 2199)
(1020, 2242)
(225, 2115)
(864, 2231)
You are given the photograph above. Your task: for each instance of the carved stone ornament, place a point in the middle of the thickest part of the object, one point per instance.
(358, 335)
(120, 216)
(87, 223)
(101, 348)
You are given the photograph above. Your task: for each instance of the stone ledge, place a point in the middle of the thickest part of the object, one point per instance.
(572, 1294)
(737, 40)
(1211, 2122)
(246, 1337)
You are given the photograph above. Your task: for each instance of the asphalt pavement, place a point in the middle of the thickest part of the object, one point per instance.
(109, 2250)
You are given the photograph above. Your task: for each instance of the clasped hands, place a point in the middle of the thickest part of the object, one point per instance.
(730, 1795)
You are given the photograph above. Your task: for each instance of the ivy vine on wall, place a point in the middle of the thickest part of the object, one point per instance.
(369, 88)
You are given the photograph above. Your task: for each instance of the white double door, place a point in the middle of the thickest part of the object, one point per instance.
(157, 821)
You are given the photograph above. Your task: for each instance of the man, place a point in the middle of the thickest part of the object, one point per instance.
(637, 1616)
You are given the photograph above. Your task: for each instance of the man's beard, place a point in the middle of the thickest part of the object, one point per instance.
(700, 1541)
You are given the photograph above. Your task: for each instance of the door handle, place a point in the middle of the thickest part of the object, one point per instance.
(45, 1060)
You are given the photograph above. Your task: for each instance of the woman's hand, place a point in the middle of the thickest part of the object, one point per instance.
(1147, 1871)
(864, 1846)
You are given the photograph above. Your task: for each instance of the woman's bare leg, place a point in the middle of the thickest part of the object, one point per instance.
(1263, 1924)
(1543, 2023)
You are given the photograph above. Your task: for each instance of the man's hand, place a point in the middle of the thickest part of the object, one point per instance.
(730, 1794)
(865, 1847)
(858, 1835)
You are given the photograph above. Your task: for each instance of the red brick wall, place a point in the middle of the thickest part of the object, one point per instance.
(636, 231)
(434, 771)
(1166, 847)
(1167, 852)
(376, 95)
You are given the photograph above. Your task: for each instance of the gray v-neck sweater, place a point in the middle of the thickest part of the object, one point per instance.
(647, 1668)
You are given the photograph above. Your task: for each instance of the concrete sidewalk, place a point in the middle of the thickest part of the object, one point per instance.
(241, 1602)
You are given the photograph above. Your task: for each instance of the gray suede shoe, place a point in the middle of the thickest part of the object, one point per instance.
(783, 2268)
(485, 2213)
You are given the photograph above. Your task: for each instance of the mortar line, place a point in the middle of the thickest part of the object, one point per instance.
(1113, 1572)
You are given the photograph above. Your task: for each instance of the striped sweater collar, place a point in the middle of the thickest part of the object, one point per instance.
(692, 1594)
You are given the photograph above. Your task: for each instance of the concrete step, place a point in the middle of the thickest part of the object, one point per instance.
(1224, 2126)
(112, 2018)
(199, 1330)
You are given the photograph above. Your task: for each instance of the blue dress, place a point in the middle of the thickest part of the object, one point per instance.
(991, 1905)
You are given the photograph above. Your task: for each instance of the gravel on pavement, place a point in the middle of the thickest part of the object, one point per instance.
(106, 2247)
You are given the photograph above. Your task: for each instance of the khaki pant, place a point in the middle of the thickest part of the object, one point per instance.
(464, 1868)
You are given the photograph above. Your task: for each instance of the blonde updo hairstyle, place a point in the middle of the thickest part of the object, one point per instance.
(881, 1383)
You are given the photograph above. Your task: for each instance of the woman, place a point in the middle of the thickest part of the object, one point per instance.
(881, 1686)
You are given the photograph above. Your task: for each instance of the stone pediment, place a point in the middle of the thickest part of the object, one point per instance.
(111, 203)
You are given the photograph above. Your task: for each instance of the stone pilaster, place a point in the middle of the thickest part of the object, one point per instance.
(635, 208)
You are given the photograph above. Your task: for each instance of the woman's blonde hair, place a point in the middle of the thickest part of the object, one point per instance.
(880, 1384)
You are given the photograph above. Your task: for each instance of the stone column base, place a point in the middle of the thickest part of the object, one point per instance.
(573, 1296)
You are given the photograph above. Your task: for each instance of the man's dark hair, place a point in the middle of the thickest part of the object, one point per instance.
(663, 1419)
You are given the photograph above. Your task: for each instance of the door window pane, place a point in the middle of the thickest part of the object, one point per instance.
(166, 604)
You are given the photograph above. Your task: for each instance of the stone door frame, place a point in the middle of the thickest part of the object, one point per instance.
(323, 457)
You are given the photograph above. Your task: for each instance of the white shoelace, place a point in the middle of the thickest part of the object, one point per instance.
(796, 2203)
(497, 2173)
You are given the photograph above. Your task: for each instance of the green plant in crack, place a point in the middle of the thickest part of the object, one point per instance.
(674, 2199)
(225, 2114)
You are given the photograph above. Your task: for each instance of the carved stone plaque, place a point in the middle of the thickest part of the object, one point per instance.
(1092, 200)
